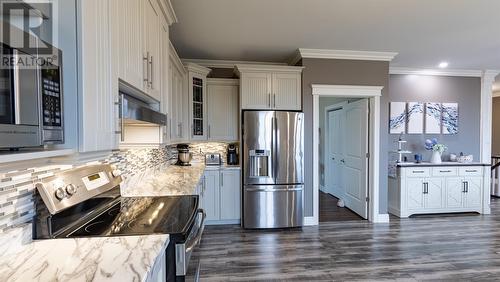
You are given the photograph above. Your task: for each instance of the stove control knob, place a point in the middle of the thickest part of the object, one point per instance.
(70, 189)
(60, 194)
(116, 173)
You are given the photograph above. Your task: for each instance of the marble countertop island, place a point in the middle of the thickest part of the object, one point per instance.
(125, 258)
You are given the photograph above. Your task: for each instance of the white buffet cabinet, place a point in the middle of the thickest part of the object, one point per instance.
(220, 197)
(445, 188)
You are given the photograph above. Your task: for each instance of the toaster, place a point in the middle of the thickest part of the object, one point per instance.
(213, 159)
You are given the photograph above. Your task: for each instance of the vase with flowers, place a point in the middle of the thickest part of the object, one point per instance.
(437, 150)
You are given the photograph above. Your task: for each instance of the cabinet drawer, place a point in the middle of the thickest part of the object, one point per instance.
(471, 171)
(418, 172)
(444, 171)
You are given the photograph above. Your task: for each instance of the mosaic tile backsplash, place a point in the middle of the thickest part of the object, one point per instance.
(17, 187)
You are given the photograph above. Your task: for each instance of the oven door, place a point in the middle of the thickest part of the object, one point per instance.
(184, 251)
(19, 100)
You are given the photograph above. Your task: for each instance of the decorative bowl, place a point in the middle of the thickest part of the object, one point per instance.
(465, 159)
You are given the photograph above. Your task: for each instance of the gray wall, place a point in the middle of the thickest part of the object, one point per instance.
(495, 148)
(466, 91)
(344, 72)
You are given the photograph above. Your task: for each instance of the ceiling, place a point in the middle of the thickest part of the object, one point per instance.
(423, 32)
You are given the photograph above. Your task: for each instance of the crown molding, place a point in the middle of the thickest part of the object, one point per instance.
(346, 90)
(341, 55)
(223, 81)
(228, 64)
(436, 72)
(175, 59)
(268, 68)
(192, 67)
(168, 11)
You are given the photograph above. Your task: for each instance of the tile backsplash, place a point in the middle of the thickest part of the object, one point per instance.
(17, 187)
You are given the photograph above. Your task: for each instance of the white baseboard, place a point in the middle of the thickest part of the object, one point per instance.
(310, 221)
(381, 218)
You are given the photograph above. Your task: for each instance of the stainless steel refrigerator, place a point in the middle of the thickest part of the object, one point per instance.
(273, 169)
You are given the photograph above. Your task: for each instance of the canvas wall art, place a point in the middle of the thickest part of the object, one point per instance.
(415, 118)
(450, 118)
(433, 114)
(397, 117)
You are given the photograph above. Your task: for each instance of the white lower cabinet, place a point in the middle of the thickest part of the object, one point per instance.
(437, 190)
(210, 196)
(220, 196)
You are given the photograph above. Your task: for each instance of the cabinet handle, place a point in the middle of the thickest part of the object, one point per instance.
(151, 72)
(145, 60)
(274, 98)
(466, 186)
(463, 187)
(269, 100)
(426, 188)
(442, 171)
(222, 179)
(179, 131)
(471, 170)
(121, 108)
(418, 171)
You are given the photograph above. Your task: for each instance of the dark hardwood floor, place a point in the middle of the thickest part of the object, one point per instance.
(329, 211)
(463, 247)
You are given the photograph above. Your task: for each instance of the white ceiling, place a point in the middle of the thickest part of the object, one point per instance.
(424, 32)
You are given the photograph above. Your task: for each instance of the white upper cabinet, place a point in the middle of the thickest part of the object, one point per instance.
(256, 88)
(178, 100)
(141, 23)
(127, 41)
(197, 87)
(270, 87)
(287, 91)
(129, 13)
(152, 58)
(96, 92)
(222, 96)
(164, 81)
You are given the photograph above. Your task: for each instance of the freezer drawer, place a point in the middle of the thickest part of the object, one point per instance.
(273, 206)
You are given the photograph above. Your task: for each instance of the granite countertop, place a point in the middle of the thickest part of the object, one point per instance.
(170, 180)
(125, 258)
(426, 164)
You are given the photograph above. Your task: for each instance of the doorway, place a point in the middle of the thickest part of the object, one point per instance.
(373, 94)
(344, 151)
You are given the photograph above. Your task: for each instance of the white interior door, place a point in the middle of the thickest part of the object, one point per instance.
(355, 162)
(335, 153)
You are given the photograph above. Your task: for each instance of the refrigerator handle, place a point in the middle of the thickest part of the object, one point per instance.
(275, 148)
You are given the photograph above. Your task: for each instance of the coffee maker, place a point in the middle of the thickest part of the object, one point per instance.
(232, 154)
(183, 155)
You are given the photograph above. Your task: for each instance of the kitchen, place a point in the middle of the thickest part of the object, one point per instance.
(129, 159)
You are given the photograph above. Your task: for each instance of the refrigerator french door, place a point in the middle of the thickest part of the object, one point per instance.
(273, 169)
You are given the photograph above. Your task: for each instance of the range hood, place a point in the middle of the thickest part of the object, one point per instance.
(134, 111)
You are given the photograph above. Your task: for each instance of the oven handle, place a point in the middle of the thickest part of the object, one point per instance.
(197, 238)
(16, 90)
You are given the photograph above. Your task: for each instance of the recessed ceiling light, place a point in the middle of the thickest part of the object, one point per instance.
(443, 65)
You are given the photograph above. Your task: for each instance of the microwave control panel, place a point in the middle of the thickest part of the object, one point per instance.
(51, 98)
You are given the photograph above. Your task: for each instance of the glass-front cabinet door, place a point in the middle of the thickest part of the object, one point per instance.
(198, 101)
(198, 107)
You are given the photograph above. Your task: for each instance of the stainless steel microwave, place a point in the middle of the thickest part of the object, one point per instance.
(31, 98)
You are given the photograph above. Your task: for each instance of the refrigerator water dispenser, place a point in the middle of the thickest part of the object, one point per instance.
(259, 160)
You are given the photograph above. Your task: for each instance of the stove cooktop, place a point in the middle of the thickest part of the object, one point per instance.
(135, 216)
